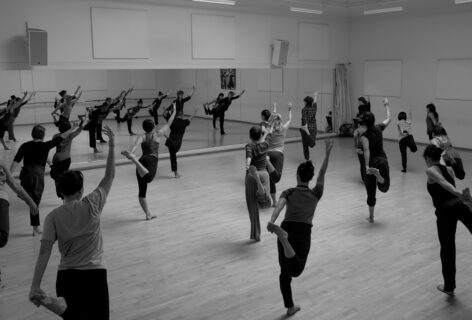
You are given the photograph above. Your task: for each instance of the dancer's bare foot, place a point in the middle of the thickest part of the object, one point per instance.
(292, 310)
(376, 173)
(128, 154)
(449, 293)
(150, 217)
(36, 231)
(96, 151)
(370, 219)
(176, 175)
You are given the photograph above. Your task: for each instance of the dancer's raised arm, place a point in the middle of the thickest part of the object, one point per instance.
(110, 167)
(289, 121)
(319, 188)
(387, 121)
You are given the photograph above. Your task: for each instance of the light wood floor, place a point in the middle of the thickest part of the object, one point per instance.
(195, 260)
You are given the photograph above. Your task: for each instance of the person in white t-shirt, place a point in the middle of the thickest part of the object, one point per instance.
(406, 138)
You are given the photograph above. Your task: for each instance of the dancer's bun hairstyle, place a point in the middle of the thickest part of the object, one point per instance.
(306, 171)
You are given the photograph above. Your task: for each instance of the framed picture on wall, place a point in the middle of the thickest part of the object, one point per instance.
(228, 79)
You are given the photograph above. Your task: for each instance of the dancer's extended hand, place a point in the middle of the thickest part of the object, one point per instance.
(385, 102)
(329, 143)
(290, 106)
(111, 136)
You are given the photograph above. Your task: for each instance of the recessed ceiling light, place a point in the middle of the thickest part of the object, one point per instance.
(295, 9)
(462, 1)
(228, 2)
(386, 10)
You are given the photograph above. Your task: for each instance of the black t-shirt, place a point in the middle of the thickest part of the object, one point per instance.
(375, 137)
(178, 126)
(363, 108)
(179, 104)
(36, 152)
(226, 102)
(157, 102)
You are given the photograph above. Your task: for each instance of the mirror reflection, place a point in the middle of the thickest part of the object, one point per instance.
(222, 104)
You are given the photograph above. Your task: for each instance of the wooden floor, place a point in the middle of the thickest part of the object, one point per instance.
(195, 260)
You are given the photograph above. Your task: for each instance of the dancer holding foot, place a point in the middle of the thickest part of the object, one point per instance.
(377, 170)
(215, 110)
(131, 113)
(14, 112)
(6, 178)
(146, 166)
(309, 128)
(452, 206)
(224, 105)
(277, 148)
(75, 225)
(176, 136)
(156, 104)
(406, 138)
(294, 234)
(257, 183)
(65, 108)
(450, 156)
(34, 155)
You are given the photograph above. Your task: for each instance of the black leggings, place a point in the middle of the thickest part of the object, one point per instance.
(447, 217)
(277, 160)
(174, 143)
(32, 181)
(404, 143)
(85, 292)
(91, 127)
(4, 222)
(308, 141)
(371, 183)
(57, 169)
(299, 237)
(362, 166)
(150, 163)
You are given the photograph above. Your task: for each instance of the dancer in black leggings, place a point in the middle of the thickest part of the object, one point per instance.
(34, 155)
(277, 148)
(294, 234)
(131, 113)
(224, 105)
(215, 109)
(406, 138)
(452, 206)
(146, 166)
(14, 112)
(156, 104)
(64, 109)
(174, 141)
(450, 155)
(309, 129)
(6, 178)
(377, 171)
(81, 285)
(432, 119)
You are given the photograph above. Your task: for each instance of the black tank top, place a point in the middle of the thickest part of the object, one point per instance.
(440, 195)
(150, 146)
(375, 137)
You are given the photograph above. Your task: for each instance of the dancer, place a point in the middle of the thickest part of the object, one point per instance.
(64, 109)
(215, 109)
(452, 206)
(432, 119)
(4, 116)
(224, 105)
(131, 113)
(63, 94)
(82, 276)
(309, 129)
(377, 171)
(294, 233)
(34, 155)
(61, 160)
(6, 178)
(406, 138)
(277, 148)
(156, 104)
(102, 112)
(257, 185)
(121, 104)
(179, 102)
(266, 117)
(176, 135)
(450, 156)
(146, 166)
(14, 112)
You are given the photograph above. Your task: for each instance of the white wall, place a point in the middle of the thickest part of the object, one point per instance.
(68, 23)
(420, 42)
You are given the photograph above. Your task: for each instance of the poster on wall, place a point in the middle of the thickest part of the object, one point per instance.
(228, 79)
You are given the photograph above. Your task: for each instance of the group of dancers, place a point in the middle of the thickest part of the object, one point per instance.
(82, 277)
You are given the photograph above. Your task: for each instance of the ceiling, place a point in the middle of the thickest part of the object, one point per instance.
(339, 8)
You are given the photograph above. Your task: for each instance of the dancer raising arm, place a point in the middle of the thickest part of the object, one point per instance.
(406, 138)
(277, 148)
(82, 275)
(377, 170)
(294, 233)
(176, 136)
(452, 206)
(14, 112)
(309, 128)
(146, 166)
(156, 104)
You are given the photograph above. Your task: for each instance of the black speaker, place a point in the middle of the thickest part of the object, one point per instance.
(38, 47)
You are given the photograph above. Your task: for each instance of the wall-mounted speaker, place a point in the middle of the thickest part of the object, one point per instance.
(280, 53)
(37, 47)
